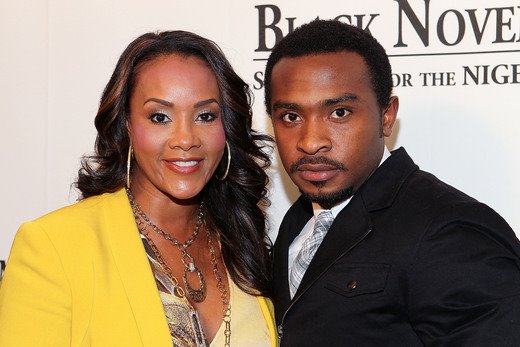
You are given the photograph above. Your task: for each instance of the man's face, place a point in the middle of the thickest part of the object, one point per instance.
(328, 126)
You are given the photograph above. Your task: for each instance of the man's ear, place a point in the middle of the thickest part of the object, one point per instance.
(390, 115)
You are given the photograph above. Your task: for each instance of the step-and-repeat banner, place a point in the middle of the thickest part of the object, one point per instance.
(456, 70)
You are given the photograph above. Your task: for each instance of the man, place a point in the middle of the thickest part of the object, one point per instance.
(408, 259)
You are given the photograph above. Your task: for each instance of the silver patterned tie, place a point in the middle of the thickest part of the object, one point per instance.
(309, 247)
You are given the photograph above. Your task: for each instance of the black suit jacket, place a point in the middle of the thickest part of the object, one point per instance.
(410, 261)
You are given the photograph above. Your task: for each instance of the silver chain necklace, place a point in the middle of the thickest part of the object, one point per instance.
(197, 295)
(226, 307)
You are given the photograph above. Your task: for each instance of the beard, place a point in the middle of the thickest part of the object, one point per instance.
(328, 200)
(325, 200)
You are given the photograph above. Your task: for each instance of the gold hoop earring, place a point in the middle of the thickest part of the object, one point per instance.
(129, 164)
(228, 163)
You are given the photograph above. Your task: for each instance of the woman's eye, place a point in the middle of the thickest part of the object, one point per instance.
(340, 113)
(159, 118)
(290, 117)
(206, 117)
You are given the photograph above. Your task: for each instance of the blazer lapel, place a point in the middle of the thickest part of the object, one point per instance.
(350, 226)
(296, 218)
(353, 223)
(135, 271)
(381, 189)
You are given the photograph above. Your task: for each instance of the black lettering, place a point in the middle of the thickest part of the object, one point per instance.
(259, 78)
(290, 24)
(474, 24)
(515, 73)
(450, 79)
(499, 74)
(263, 26)
(402, 80)
(421, 30)
(501, 24)
(406, 80)
(485, 69)
(425, 78)
(494, 76)
(519, 27)
(475, 77)
(438, 78)
(359, 21)
(396, 80)
(461, 25)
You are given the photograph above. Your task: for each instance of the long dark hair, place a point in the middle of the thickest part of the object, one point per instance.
(235, 206)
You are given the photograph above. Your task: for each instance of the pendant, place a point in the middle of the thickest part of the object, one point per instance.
(197, 295)
(200, 340)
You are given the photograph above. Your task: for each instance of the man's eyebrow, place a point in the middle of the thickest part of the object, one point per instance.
(339, 99)
(285, 106)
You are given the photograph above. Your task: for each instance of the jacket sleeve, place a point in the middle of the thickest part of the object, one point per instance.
(35, 297)
(464, 288)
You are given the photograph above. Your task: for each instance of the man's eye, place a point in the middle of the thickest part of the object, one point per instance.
(290, 117)
(340, 113)
(159, 118)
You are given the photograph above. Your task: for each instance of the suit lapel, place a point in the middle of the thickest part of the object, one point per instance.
(381, 189)
(350, 226)
(353, 223)
(135, 271)
(296, 218)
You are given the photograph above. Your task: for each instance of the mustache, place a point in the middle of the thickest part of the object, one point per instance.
(316, 160)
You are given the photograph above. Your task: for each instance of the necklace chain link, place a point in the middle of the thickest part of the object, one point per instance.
(143, 221)
(226, 307)
(197, 295)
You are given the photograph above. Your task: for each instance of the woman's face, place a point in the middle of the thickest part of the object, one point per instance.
(175, 126)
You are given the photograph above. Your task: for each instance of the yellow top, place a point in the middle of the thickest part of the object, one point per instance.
(248, 326)
(79, 276)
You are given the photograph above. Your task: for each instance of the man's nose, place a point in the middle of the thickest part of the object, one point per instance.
(314, 137)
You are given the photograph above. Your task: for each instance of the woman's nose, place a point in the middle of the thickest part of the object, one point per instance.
(184, 136)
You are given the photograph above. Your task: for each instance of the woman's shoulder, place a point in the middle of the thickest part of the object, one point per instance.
(82, 215)
(86, 206)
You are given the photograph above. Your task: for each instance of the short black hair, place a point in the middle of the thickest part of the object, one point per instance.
(331, 36)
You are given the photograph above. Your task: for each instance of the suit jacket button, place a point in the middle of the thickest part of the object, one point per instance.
(352, 285)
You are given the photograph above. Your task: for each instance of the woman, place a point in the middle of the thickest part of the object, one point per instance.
(178, 255)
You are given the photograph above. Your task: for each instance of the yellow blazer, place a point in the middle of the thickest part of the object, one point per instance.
(79, 276)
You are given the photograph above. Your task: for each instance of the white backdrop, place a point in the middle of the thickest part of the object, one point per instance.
(458, 118)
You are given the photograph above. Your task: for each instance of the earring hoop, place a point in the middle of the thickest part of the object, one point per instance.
(228, 164)
(129, 164)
